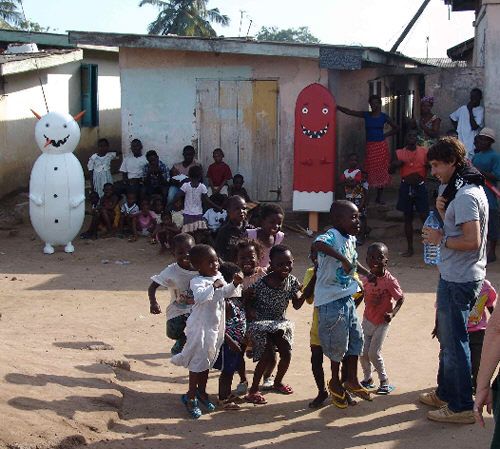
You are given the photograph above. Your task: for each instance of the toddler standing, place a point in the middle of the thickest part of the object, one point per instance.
(205, 326)
(383, 299)
(176, 277)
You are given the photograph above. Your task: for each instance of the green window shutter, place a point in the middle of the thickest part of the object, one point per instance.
(90, 101)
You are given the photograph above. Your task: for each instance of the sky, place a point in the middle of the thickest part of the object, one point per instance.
(376, 23)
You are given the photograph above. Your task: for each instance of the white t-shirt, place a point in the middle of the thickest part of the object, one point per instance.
(192, 200)
(465, 133)
(134, 166)
(176, 280)
(125, 209)
(214, 218)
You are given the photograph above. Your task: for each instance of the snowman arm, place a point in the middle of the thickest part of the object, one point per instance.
(75, 202)
(37, 199)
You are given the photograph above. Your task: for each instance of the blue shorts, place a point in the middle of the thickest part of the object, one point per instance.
(228, 360)
(413, 198)
(339, 329)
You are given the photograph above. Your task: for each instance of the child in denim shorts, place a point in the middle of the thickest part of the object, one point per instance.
(339, 328)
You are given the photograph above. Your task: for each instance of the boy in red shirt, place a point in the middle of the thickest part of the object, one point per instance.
(383, 299)
(218, 173)
(412, 163)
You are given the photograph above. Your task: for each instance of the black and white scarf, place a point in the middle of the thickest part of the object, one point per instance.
(467, 175)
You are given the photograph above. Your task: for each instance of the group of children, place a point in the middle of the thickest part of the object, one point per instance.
(231, 299)
(155, 202)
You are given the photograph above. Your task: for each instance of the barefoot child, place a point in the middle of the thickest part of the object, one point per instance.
(205, 326)
(412, 163)
(383, 299)
(335, 286)
(99, 167)
(128, 211)
(267, 301)
(176, 277)
(145, 220)
(103, 215)
(269, 234)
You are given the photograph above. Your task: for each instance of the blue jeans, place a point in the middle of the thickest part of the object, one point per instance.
(454, 301)
(339, 329)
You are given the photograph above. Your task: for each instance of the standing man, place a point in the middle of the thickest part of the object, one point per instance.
(468, 120)
(463, 206)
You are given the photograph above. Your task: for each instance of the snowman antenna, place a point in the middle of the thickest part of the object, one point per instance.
(36, 63)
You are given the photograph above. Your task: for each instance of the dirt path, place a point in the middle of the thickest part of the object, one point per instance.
(84, 362)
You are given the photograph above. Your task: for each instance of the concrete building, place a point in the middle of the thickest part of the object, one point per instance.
(486, 48)
(72, 79)
(240, 95)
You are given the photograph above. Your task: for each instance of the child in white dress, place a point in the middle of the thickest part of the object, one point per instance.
(205, 326)
(99, 167)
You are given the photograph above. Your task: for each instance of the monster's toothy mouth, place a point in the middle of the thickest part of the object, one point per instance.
(314, 134)
(55, 143)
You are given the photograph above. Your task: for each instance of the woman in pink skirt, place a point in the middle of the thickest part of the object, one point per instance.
(377, 158)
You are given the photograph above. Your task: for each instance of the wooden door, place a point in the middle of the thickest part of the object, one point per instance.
(240, 116)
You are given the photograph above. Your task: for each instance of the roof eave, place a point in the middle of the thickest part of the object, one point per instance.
(40, 62)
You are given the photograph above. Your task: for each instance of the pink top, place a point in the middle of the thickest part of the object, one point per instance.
(379, 297)
(477, 316)
(145, 221)
(278, 238)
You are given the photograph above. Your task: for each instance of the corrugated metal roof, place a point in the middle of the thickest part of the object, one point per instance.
(4, 58)
(444, 63)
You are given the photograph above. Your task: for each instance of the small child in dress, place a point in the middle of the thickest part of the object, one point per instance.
(205, 326)
(383, 299)
(99, 167)
(269, 234)
(356, 191)
(248, 254)
(218, 173)
(128, 210)
(333, 297)
(267, 301)
(145, 220)
(176, 277)
(477, 324)
(233, 231)
(231, 353)
(215, 218)
(194, 193)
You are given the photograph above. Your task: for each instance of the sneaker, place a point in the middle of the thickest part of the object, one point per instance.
(368, 384)
(444, 414)
(268, 383)
(385, 389)
(431, 399)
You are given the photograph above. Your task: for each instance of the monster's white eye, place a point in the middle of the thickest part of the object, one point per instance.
(305, 110)
(324, 111)
(47, 125)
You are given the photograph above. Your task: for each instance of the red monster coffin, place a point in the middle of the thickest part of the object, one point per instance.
(314, 155)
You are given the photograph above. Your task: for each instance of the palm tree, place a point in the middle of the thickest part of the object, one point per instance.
(9, 13)
(185, 18)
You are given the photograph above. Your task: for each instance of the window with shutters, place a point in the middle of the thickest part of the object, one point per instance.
(90, 101)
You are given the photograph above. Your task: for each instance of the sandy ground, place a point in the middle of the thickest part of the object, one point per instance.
(68, 322)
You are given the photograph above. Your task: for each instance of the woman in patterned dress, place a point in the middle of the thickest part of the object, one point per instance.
(267, 301)
(377, 158)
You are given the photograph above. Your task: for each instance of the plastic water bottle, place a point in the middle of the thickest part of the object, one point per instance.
(432, 253)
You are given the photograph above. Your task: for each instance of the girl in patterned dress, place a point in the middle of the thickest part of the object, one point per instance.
(267, 301)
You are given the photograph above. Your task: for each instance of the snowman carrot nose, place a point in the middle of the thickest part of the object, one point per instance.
(47, 142)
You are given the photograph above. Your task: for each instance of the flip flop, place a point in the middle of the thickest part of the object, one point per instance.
(256, 398)
(338, 400)
(191, 406)
(359, 392)
(283, 389)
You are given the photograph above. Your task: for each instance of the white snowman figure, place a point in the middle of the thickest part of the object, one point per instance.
(57, 184)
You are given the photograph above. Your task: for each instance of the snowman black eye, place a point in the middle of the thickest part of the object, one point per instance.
(65, 125)
(47, 125)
